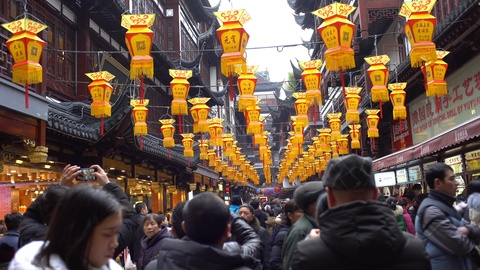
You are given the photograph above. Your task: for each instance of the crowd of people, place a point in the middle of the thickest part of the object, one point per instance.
(341, 222)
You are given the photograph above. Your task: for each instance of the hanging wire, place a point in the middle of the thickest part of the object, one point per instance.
(375, 44)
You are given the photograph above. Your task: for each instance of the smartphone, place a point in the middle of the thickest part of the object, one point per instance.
(86, 175)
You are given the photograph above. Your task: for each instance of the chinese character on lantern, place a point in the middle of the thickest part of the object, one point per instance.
(180, 86)
(26, 49)
(419, 30)
(378, 74)
(312, 78)
(101, 92)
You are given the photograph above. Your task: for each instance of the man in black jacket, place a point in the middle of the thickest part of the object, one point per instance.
(357, 231)
(207, 225)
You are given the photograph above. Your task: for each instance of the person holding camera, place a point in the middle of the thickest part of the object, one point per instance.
(36, 219)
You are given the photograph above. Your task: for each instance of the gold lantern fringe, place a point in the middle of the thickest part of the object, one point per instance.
(201, 126)
(352, 117)
(246, 101)
(30, 73)
(437, 89)
(168, 142)
(101, 109)
(233, 62)
(188, 153)
(380, 94)
(422, 53)
(141, 66)
(140, 128)
(399, 113)
(339, 58)
(203, 156)
(179, 107)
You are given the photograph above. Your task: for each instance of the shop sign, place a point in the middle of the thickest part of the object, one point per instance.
(459, 106)
(455, 162)
(385, 179)
(198, 178)
(402, 134)
(401, 176)
(473, 160)
(414, 174)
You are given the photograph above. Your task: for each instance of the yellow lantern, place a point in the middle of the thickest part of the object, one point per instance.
(434, 74)
(334, 149)
(419, 30)
(140, 113)
(26, 49)
(168, 130)
(324, 139)
(188, 146)
(246, 83)
(233, 39)
(101, 92)
(335, 125)
(298, 137)
(252, 119)
(180, 86)
(215, 128)
(355, 135)
(343, 145)
(211, 157)
(397, 96)
(378, 74)
(228, 146)
(372, 123)
(318, 148)
(337, 33)
(203, 149)
(352, 101)
(199, 112)
(312, 78)
(301, 107)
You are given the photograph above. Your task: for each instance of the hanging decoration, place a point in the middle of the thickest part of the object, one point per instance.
(352, 101)
(215, 128)
(335, 125)
(101, 91)
(397, 96)
(140, 113)
(228, 145)
(337, 33)
(203, 149)
(324, 138)
(168, 130)
(188, 146)
(211, 157)
(252, 117)
(434, 75)
(26, 49)
(419, 30)
(233, 39)
(199, 112)
(180, 86)
(355, 135)
(312, 78)
(139, 40)
(301, 108)
(343, 145)
(372, 123)
(334, 149)
(246, 86)
(378, 74)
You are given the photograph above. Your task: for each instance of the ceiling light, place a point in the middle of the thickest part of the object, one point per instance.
(13, 171)
(19, 161)
(111, 169)
(47, 166)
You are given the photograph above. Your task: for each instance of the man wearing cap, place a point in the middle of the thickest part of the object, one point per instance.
(305, 197)
(448, 238)
(357, 231)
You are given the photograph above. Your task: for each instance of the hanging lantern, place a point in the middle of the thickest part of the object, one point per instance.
(168, 130)
(140, 113)
(139, 40)
(228, 149)
(312, 78)
(324, 139)
(301, 107)
(335, 125)
(26, 49)
(378, 74)
(343, 145)
(337, 33)
(419, 30)
(101, 92)
(180, 86)
(352, 101)
(298, 137)
(233, 39)
(318, 148)
(215, 128)
(355, 135)
(372, 123)
(199, 112)
(397, 96)
(246, 83)
(334, 146)
(252, 119)
(211, 157)
(203, 149)
(188, 146)
(434, 74)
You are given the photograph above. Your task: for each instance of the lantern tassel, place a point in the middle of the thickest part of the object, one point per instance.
(26, 95)
(141, 90)
(342, 78)
(188, 161)
(401, 130)
(231, 87)
(437, 103)
(381, 112)
(141, 142)
(180, 124)
(101, 126)
(169, 153)
(315, 114)
(372, 142)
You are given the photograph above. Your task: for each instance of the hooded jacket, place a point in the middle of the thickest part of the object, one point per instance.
(151, 248)
(360, 235)
(176, 254)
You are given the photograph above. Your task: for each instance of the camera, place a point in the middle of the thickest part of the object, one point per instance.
(86, 174)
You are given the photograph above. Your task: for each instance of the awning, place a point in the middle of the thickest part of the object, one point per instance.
(454, 136)
(206, 172)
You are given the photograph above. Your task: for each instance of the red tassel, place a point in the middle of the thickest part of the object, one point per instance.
(401, 130)
(437, 103)
(180, 124)
(231, 87)
(372, 142)
(188, 161)
(314, 114)
(381, 111)
(26, 95)
(343, 81)
(141, 90)
(141, 143)
(169, 153)
(101, 127)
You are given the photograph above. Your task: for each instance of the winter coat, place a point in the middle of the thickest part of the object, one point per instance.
(398, 212)
(297, 233)
(473, 206)
(360, 235)
(261, 216)
(276, 255)
(408, 222)
(180, 254)
(244, 239)
(266, 242)
(151, 247)
(24, 257)
(437, 225)
(135, 246)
